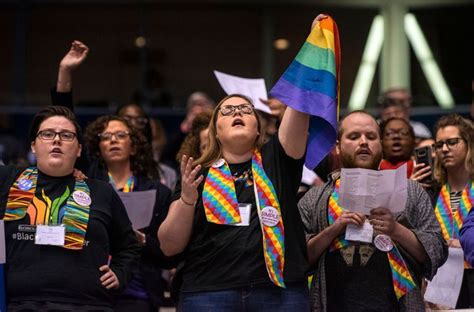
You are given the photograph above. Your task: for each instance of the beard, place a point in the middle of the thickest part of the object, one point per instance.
(350, 161)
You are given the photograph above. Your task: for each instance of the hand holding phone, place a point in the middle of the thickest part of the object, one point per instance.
(423, 156)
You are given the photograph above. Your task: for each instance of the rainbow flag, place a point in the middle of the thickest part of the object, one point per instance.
(311, 85)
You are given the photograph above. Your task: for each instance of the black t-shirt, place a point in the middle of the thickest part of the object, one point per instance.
(51, 273)
(359, 286)
(225, 256)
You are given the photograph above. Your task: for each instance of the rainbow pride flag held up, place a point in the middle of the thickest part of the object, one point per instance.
(311, 85)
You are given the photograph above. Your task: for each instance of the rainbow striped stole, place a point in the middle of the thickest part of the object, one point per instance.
(218, 196)
(75, 217)
(273, 236)
(129, 185)
(451, 223)
(221, 207)
(19, 200)
(401, 277)
(311, 85)
(334, 212)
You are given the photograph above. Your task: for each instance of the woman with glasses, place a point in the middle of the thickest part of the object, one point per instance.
(234, 217)
(69, 243)
(454, 171)
(122, 154)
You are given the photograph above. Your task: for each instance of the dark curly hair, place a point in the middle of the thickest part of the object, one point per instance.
(190, 145)
(142, 163)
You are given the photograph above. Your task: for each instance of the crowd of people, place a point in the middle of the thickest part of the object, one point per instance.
(232, 228)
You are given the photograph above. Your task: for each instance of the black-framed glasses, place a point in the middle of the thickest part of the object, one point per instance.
(227, 110)
(136, 121)
(49, 135)
(119, 135)
(450, 143)
(394, 133)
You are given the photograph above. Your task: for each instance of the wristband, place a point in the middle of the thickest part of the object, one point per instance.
(188, 204)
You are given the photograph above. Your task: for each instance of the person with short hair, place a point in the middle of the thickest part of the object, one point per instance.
(70, 244)
(398, 143)
(357, 276)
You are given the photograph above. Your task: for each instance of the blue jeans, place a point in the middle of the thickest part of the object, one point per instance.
(293, 298)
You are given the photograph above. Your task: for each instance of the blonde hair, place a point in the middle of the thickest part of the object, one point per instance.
(213, 151)
(466, 132)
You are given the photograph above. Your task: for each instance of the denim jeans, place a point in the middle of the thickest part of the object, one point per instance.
(293, 298)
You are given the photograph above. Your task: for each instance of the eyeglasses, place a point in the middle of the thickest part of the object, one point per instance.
(119, 135)
(227, 110)
(400, 133)
(136, 121)
(49, 135)
(450, 143)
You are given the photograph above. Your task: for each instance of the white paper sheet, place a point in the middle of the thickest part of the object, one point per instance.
(244, 210)
(359, 234)
(3, 256)
(139, 206)
(363, 189)
(445, 287)
(308, 177)
(253, 88)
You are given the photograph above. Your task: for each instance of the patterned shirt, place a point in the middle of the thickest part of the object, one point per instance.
(418, 216)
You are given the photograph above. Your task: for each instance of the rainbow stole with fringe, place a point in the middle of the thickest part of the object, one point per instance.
(221, 207)
(452, 223)
(21, 200)
(401, 278)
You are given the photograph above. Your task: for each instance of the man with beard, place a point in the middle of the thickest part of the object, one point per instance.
(398, 143)
(360, 276)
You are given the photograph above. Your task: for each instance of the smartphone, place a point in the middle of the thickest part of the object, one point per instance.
(423, 155)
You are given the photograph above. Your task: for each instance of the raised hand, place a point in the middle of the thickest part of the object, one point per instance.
(71, 61)
(276, 106)
(189, 183)
(318, 18)
(75, 56)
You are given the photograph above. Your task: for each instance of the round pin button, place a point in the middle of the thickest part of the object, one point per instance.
(81, 198)
(383, 242)
(218, 163)
(270, 216)
(25, 184)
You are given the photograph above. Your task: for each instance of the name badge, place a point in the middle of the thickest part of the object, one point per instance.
(50, 235)
(359, 234)
(244, 210)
